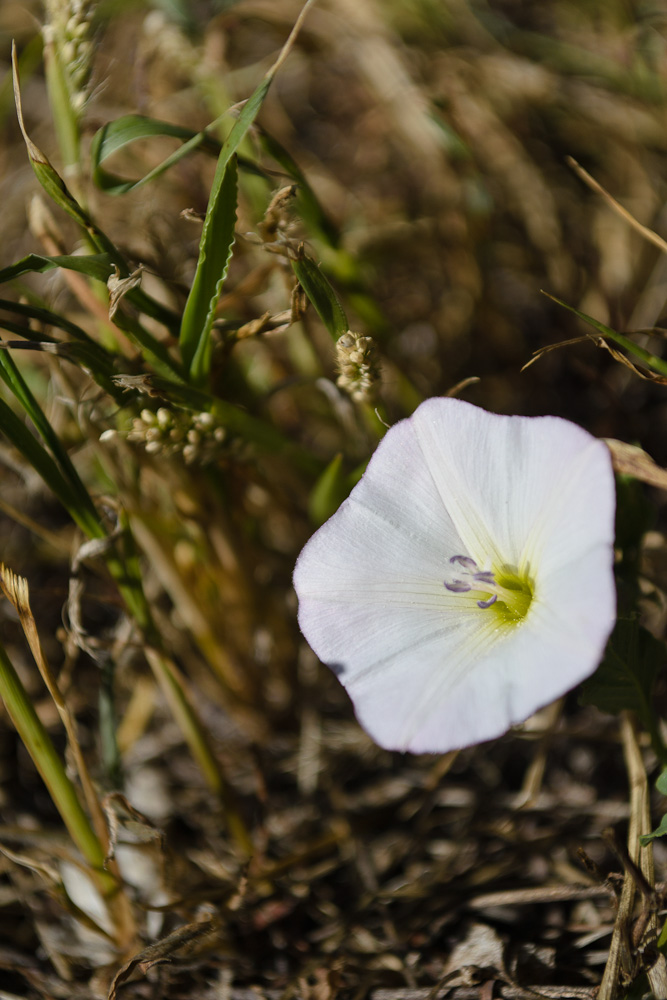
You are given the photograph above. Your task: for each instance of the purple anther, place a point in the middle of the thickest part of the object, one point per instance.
(487, 604)
(464, 561)
(485, 576)
(457, 586)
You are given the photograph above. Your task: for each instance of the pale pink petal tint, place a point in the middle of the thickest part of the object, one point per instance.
(468, 579)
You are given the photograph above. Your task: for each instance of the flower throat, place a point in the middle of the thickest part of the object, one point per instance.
(503, 593)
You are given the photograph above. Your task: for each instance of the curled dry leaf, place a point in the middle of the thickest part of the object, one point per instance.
(119, 287)
(629, 460)
(181, 945)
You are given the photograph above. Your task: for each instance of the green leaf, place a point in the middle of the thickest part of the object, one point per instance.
(659, 831)
(213, 256)
(329, 492)
(215, 251)
(99, 265)
(131, 128)
(625, 678)
(44, 315)
(322, 296)
(22, 439)
(661, 782)
(80, 498)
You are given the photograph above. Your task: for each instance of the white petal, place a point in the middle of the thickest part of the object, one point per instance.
(393, 527)
(499, 476)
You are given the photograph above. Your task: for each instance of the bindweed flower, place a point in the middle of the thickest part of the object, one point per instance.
(467, 581)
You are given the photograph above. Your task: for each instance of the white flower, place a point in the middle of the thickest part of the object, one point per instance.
(467, 580)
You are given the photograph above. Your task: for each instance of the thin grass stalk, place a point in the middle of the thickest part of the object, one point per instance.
(173, 689)
(126, 573)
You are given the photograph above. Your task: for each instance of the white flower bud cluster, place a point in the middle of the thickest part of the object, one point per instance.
(358, 364)
(70, 28)
(198, 437)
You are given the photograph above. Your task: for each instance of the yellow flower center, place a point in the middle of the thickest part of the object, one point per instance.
(514, 594)
(501, 593)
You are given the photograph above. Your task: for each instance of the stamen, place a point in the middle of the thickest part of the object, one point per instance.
(464, 561)
(510, 593)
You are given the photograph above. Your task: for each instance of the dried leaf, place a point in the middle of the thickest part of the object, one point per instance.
(121, 814)
(119, 287)
(629, 460)
(182, 944)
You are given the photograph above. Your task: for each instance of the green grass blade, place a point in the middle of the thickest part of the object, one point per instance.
(131, 128)
(16, 383)
(99, 265)
(44, 315)
(215, 251)
(322, 296)
(35, 453)
(124, 131)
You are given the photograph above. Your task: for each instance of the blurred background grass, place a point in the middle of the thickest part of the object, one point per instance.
(435, 135)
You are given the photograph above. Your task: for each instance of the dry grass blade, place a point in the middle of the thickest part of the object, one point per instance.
(52, 879)
(601, 342)
(287, 47)
(541, 351)
(161, 557)
(457, 389)
(644, 373)
(621, 960)
(648, 234)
